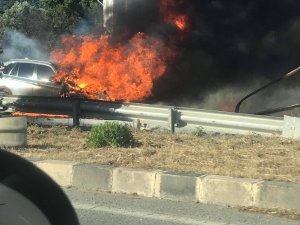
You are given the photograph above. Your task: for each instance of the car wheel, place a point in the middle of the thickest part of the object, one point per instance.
(5, 91)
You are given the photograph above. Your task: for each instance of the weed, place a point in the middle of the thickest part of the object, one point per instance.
(199, 132)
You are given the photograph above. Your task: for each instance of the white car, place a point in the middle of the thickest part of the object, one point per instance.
(28, 77)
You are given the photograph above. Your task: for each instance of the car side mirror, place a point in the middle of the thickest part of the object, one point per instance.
(29, 196)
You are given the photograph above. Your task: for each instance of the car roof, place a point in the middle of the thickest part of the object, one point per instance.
(29, 61)
(39, 62)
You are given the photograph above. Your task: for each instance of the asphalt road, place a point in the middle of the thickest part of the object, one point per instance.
(114, 209)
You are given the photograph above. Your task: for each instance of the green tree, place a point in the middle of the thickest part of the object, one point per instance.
(45, 20)
(5, 4)
(65, 14)
(93, 14)
(26, 19)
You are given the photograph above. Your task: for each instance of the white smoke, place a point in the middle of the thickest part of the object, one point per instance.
(17, 45)
(82, 28)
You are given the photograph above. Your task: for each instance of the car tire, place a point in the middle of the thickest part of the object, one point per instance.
(5, 91)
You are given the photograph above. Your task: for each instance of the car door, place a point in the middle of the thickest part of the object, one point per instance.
(17, 79)
(6, 83)
(24, 81)
(44, 86)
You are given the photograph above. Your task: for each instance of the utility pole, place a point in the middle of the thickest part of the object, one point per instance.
(110, 9)
(108, 15)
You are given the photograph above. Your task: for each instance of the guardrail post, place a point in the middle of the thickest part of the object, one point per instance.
(172, 119)
(291, 127)
(76, 113)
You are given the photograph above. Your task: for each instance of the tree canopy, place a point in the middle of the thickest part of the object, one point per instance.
(25, 18)
(46, 20)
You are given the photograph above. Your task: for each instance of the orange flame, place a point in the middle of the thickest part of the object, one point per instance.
(91, 66)
(173, 14)
(125, 72)
(39, 115)
(181, 22)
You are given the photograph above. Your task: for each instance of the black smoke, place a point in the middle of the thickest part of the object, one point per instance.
(131, 17)
(232, 43)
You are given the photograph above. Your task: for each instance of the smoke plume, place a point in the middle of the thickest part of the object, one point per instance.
(17, 45)
(233, 47)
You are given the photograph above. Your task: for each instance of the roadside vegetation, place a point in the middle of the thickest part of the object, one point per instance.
(110, 134)
(252, 156)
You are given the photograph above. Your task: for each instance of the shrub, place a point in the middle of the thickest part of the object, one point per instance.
(199, 132)
(110, 134)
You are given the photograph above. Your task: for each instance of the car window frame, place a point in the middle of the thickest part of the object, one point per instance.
(34, 79)
(14, 64)
(26, 78)
(10, 72)
(36, 72)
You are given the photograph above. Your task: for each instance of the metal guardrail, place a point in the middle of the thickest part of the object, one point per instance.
(175, 119)
(226, 122)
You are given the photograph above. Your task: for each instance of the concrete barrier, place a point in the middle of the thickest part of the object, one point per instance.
(291, 127)
(209, 189)
(231, 191)
(60, 171)
(92, 177)
(176, 186)
(131, 181)
(279, 195)
(13, 131)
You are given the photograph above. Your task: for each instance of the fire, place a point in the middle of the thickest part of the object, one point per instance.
(125, 72)
(83, 85)
(173, 14)
(39, 115)
(93, 67)
(181, 22)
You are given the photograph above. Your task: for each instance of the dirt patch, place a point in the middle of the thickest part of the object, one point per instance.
(253, 156)
(290, 214)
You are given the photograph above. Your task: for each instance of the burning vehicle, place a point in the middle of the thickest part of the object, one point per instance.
(101, 66)
(34, 78)
(28, 77)
(125, 63)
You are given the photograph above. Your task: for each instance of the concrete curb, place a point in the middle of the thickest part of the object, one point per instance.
(221, 190)
(207, 189)
(132, 181)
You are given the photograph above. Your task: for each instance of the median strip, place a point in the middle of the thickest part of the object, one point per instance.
(207, 189)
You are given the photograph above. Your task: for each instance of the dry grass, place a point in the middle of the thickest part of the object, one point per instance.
(252, 156)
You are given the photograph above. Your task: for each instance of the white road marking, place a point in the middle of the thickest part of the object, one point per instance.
(144, 215)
